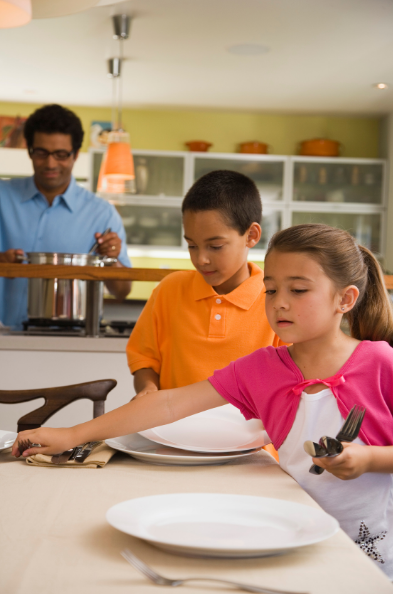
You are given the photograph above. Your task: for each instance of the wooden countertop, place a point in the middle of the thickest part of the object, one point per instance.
(96, 273)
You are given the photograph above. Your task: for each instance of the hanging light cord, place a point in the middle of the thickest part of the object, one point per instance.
(120, 89)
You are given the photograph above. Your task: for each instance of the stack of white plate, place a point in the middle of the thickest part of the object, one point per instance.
(215, 436)
(7, 439)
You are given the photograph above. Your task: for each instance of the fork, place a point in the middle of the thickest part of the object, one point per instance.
(348, 432)
(25, 444)
(163, 581)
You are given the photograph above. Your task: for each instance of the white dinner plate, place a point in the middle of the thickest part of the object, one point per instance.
(148, 451)
(7, 439)
(219, 525)
(222, 429)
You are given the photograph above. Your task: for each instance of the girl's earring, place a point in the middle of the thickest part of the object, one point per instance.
(343, 308)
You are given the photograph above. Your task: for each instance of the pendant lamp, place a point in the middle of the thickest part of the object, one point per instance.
(117, 175)
(14, 13)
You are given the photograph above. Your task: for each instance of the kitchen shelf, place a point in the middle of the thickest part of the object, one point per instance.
(90, 273)
(96, 273)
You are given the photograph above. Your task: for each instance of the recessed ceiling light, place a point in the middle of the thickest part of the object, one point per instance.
(381, 86)
(248, 49)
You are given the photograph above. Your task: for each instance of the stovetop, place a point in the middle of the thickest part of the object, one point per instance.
(42, 327)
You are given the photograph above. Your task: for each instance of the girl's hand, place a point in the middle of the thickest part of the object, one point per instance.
(52, 441)
(351, 463)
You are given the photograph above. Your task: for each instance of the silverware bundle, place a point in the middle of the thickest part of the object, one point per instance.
(330, 446)
(79, 453)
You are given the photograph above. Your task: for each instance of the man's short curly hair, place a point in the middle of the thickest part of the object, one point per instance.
(53, 119)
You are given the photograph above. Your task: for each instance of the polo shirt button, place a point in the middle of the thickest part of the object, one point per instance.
(218, 300)
(218, 317)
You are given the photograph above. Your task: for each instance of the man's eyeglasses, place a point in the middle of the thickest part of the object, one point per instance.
(40, 153)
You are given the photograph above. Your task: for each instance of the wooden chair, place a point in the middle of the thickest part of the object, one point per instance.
(58, 398)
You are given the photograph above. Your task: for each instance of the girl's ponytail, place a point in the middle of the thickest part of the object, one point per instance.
(372, 317)
(345, 263)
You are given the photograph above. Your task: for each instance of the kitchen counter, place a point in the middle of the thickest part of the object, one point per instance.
(31, 362)
(13, 342)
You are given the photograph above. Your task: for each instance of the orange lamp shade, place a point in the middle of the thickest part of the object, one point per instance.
(117, 175)
(14, 13)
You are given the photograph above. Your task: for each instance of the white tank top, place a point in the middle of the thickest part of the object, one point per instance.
(363, 506)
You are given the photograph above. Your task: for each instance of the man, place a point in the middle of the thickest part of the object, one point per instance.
(49, 212)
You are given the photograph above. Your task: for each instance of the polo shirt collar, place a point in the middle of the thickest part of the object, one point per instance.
(244, 296)
(31, 191)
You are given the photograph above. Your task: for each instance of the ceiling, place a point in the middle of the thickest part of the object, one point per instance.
(324, 56)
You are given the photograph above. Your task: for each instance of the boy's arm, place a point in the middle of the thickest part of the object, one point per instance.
(143, 350)
(356, 459)
(154, 409)
(146, 380)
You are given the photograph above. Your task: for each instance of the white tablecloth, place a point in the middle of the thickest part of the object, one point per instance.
(55, 539)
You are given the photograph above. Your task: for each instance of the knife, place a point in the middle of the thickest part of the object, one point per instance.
(65, 456)
(82, 455)
(62, 458)
(96, 244)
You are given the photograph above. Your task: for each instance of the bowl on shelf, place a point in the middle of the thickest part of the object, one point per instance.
(198, 146)
(254, 147)
(320, 147)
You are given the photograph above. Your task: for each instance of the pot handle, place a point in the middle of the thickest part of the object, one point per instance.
(19, 259)
(106, 261)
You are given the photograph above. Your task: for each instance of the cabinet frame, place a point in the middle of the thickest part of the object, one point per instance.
(286, 206)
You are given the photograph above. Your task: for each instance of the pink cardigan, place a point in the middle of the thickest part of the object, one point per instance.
(267, 385)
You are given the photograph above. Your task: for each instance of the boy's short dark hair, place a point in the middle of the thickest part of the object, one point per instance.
(53, 119)
(232, 193)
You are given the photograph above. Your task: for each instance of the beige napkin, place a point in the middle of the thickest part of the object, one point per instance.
(98, 458)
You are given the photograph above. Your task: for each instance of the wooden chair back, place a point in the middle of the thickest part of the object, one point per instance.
(58, 398)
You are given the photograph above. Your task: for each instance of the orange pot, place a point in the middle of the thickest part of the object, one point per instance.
(320, 147)
(254, 147)
(198, 146)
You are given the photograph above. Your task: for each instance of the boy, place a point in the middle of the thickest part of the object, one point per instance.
(198, 321)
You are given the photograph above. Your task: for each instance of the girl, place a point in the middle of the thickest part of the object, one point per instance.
(314, 275)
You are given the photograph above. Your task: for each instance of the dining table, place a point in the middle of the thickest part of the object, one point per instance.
(55, 538)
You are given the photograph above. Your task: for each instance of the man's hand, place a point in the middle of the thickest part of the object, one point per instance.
(109, 244)
(52, 441)
(355, 460)
(12, 256)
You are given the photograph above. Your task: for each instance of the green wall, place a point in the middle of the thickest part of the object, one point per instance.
(168, 129)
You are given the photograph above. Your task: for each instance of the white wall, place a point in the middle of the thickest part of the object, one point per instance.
(30, 369)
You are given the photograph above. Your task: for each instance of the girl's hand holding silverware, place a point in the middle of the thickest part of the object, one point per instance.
(354, 461)
(51, 441)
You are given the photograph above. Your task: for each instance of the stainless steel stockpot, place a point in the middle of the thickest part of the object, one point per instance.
(61, 299)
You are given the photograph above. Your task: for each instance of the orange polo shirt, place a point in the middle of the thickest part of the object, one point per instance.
(186, 330)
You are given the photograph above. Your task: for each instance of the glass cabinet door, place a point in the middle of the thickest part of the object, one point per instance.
(268, 175)
(271, 223)
(159, 175)
(155, 175)
(151, 225)
(365, 228)
(320, 181)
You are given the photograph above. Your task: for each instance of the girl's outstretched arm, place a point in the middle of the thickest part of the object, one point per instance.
(357, 459)
(152, 410)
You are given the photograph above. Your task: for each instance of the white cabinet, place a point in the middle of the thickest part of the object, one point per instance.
(346, 193)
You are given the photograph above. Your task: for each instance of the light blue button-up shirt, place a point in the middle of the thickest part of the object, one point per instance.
(27, 222)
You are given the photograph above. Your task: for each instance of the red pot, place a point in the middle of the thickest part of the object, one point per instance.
(198, 146)
(320, 147)
(254, 147)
